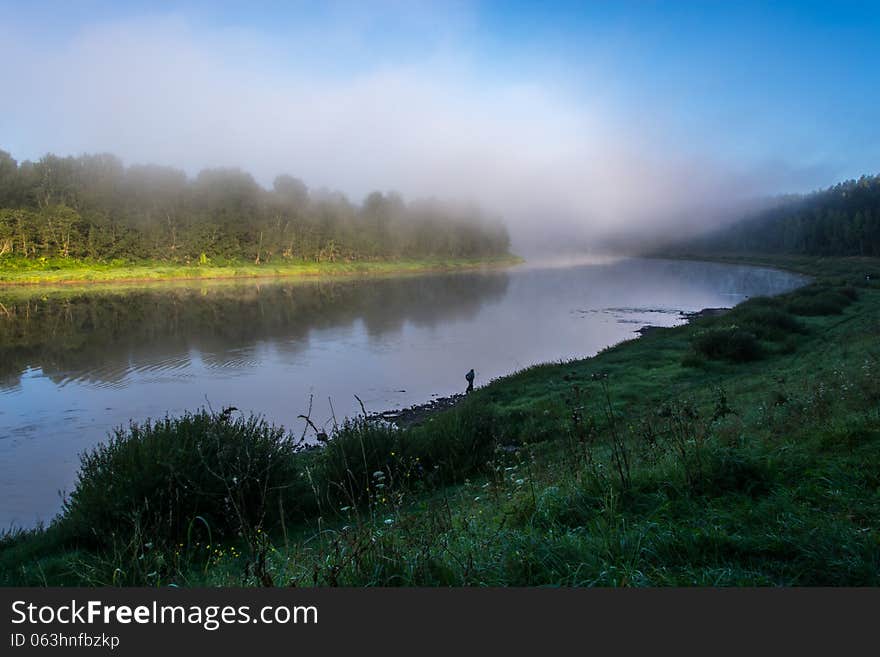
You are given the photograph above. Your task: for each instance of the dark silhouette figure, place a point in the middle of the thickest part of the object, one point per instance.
(470, 379)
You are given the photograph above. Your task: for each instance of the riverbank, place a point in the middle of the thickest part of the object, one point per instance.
(416, 414)
(739, 449)
(62, 272)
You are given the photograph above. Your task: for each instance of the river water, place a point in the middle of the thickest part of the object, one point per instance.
(74, 363)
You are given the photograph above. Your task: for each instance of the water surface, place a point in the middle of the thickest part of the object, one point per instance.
(76, 363)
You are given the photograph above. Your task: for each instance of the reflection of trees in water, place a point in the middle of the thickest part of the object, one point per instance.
(100, 336)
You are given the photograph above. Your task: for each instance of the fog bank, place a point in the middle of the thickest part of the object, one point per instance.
(566, 170)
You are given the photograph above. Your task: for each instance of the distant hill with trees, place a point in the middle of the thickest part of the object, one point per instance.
(94, 207)
(843, 220)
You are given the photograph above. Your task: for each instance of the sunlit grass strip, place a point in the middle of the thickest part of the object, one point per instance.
(71, 272)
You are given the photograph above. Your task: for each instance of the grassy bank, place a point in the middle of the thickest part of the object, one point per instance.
(741, 449)
(20, 271)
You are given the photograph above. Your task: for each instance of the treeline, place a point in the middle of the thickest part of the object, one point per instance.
(94, 207)
(843, 220)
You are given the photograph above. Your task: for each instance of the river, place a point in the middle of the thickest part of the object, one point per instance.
(74, 363)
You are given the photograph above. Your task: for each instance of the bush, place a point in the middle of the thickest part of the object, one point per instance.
(347, 465)
(366, 456)
(827, 302)
(821, 300)
(457, 443)
(769, 323)
(159, 479)
(728, 343)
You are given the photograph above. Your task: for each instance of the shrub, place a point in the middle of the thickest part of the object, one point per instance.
(727, 343)
(821, 300)
(347, 465)
(769, 323)
(364, 454)
(157, 479)
(457, 443)
(827, 302)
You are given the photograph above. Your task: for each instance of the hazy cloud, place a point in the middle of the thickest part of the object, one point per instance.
(166, 91)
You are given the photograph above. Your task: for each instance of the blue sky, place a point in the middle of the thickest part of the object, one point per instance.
(761, 97)
(800, 77)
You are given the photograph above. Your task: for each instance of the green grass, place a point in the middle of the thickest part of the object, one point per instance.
(19, 271)
(654, 463)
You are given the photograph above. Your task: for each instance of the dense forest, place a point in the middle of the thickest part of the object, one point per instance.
(93, 207)
(843, 220)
